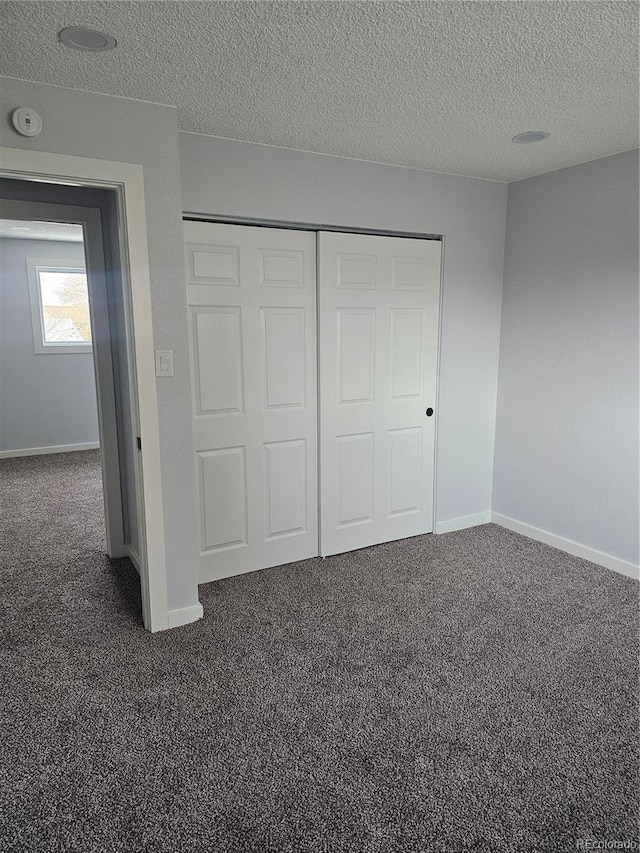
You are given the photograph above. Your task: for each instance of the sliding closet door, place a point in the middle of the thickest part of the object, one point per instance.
(378, 332)
(252, 319)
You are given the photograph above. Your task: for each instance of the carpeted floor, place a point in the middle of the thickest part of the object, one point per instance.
(467, 692)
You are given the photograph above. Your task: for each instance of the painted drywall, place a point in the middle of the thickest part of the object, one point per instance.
(97, 126)
(226, 178)
(567, 422)
(46, 400)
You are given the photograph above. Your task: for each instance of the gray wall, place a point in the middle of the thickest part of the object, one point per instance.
(46, 400)
(567, 422)
(569, 336)
(88, 125)
(240, 179)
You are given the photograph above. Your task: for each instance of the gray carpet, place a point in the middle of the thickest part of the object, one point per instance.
(467, 692)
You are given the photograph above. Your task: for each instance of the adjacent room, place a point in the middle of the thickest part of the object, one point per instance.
(319, 426)
(51, 404)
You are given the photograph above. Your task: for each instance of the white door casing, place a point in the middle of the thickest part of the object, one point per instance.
(378, 331)
(252, 324)
(127, 180)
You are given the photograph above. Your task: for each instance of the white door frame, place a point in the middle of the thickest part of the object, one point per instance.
(127, 180)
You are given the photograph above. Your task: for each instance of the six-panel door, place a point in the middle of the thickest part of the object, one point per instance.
(252, 325)
(378, 332)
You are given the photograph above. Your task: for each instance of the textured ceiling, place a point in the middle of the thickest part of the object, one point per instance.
(60, 231)
(434, 85)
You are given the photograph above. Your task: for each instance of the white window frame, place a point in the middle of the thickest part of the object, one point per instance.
(34, 267)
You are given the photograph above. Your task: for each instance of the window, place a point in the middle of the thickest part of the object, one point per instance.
(59, 305)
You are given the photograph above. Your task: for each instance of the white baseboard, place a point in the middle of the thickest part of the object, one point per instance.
(463, 522)
(568, 545)
(41, 451)
(184, 615)
(132, 554)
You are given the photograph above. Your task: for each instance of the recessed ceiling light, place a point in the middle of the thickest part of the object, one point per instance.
(531, 136)
(83, 39)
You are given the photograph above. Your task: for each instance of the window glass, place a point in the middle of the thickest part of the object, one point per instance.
(64, 302)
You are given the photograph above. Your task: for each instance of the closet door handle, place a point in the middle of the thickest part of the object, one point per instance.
(429, 412)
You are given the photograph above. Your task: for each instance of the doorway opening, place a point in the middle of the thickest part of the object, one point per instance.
(48, 392)
(125, 227)
(114, 232)
(67, 368)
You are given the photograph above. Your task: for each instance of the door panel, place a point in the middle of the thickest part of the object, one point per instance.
(407, 339)
(252, 320)
(284, 357)
(378, 332)
(217, 338)
(224, 511)
(355, 479)
(286, 490)
(356, 330)
(404, 471)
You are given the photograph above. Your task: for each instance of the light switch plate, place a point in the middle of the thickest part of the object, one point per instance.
(164, 362)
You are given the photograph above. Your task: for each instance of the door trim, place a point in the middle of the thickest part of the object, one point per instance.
(306, 226)
(127, 179)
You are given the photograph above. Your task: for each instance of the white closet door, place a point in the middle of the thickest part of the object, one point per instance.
(378, 332)
(252, 320)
